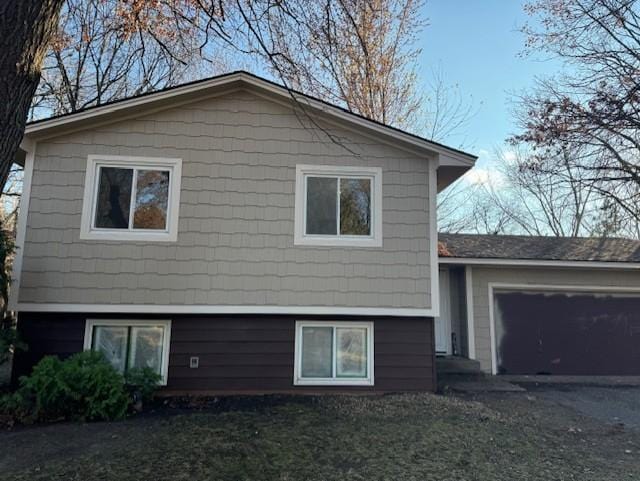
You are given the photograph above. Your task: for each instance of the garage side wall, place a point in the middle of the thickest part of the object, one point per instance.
(483, 276)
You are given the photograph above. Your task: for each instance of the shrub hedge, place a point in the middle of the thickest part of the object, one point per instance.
(83, 387)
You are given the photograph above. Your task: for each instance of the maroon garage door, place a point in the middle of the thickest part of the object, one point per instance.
(567, 333)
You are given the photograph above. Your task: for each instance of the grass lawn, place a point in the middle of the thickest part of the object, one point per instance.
(395, 437)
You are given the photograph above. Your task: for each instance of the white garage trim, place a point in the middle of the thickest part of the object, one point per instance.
(539, 287)
(471, 325)
(539, 263)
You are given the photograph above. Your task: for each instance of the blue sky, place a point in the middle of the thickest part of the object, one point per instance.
(477, 46)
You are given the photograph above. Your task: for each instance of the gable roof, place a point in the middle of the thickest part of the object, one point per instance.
(538, 248)
(193, 91)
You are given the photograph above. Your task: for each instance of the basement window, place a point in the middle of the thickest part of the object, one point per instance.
(131, 344)
(338, 353)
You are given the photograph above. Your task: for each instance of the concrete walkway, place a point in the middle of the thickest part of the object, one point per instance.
(476, 383)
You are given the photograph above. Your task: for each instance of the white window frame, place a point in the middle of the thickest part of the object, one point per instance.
(91, 185)
(305, 171)
(165, 323)
(298, 380)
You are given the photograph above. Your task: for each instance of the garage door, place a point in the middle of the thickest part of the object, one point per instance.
(571, 333)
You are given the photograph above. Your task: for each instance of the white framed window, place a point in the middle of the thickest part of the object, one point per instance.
(333, 353)
(338, 206)
(131, 198)
(129, 344)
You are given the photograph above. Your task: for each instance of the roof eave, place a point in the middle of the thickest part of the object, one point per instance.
(489, 262)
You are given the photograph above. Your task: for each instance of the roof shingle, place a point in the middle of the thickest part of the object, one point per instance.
(538, 248)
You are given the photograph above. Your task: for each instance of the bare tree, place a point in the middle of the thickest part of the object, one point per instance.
(519, 197)
(540, 201)
(28, 27)
(445, 111)
(363, 55)
(360, 55)
(592, 109)
(473, 205)
(94, 59)
(374, 40)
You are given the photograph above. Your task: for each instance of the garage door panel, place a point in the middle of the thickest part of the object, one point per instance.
(567, 333)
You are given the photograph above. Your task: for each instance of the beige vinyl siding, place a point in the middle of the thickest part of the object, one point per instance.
(482, 276)
(236, 228)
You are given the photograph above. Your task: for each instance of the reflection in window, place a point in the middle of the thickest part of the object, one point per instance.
(355, 206)
(324, 194)
(317, 346)
(112, 342)
(129, 347)
(115, 191)
(114, 198)
(322, 201)
(339, 352)
(352, 352)
(152, 197)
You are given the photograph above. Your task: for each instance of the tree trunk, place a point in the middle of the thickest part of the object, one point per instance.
(26, 28)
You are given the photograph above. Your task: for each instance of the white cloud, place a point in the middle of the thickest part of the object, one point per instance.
(480, 176)
(509, 156)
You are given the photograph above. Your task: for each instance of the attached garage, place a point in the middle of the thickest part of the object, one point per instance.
(567, 332)
(541, 305)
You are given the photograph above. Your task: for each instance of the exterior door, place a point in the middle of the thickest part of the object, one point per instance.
(443, 322)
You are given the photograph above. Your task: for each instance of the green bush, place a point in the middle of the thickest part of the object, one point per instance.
(82, 387)
(142, 383)
(10, 341)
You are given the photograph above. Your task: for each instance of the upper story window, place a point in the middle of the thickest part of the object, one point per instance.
(131, 198)
(338, 206)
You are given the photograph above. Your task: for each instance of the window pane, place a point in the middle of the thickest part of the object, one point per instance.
(352, 352)
(112, 342)
(152, 196)
(317, 351)
(146, 348)
(114, 198)
(322, 193)
(355, 206)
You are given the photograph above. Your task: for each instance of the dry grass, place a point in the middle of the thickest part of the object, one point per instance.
(400, 437)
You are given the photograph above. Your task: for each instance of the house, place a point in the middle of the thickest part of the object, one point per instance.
(540, 305)
(237, 236)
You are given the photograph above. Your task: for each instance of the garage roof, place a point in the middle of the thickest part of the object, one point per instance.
(538, 248)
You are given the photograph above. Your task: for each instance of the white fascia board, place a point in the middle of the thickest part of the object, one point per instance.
(224, 309)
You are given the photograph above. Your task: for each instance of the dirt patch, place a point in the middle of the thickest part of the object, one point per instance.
(398, 437)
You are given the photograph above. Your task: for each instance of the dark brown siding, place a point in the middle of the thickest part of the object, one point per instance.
(47, 334)
(242, 353)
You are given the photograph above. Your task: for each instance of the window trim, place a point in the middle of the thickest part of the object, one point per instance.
(298, 380)
(300, 235)
(166, 344)
(91, 185)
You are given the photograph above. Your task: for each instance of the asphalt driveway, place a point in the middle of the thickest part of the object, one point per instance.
(618, 406)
